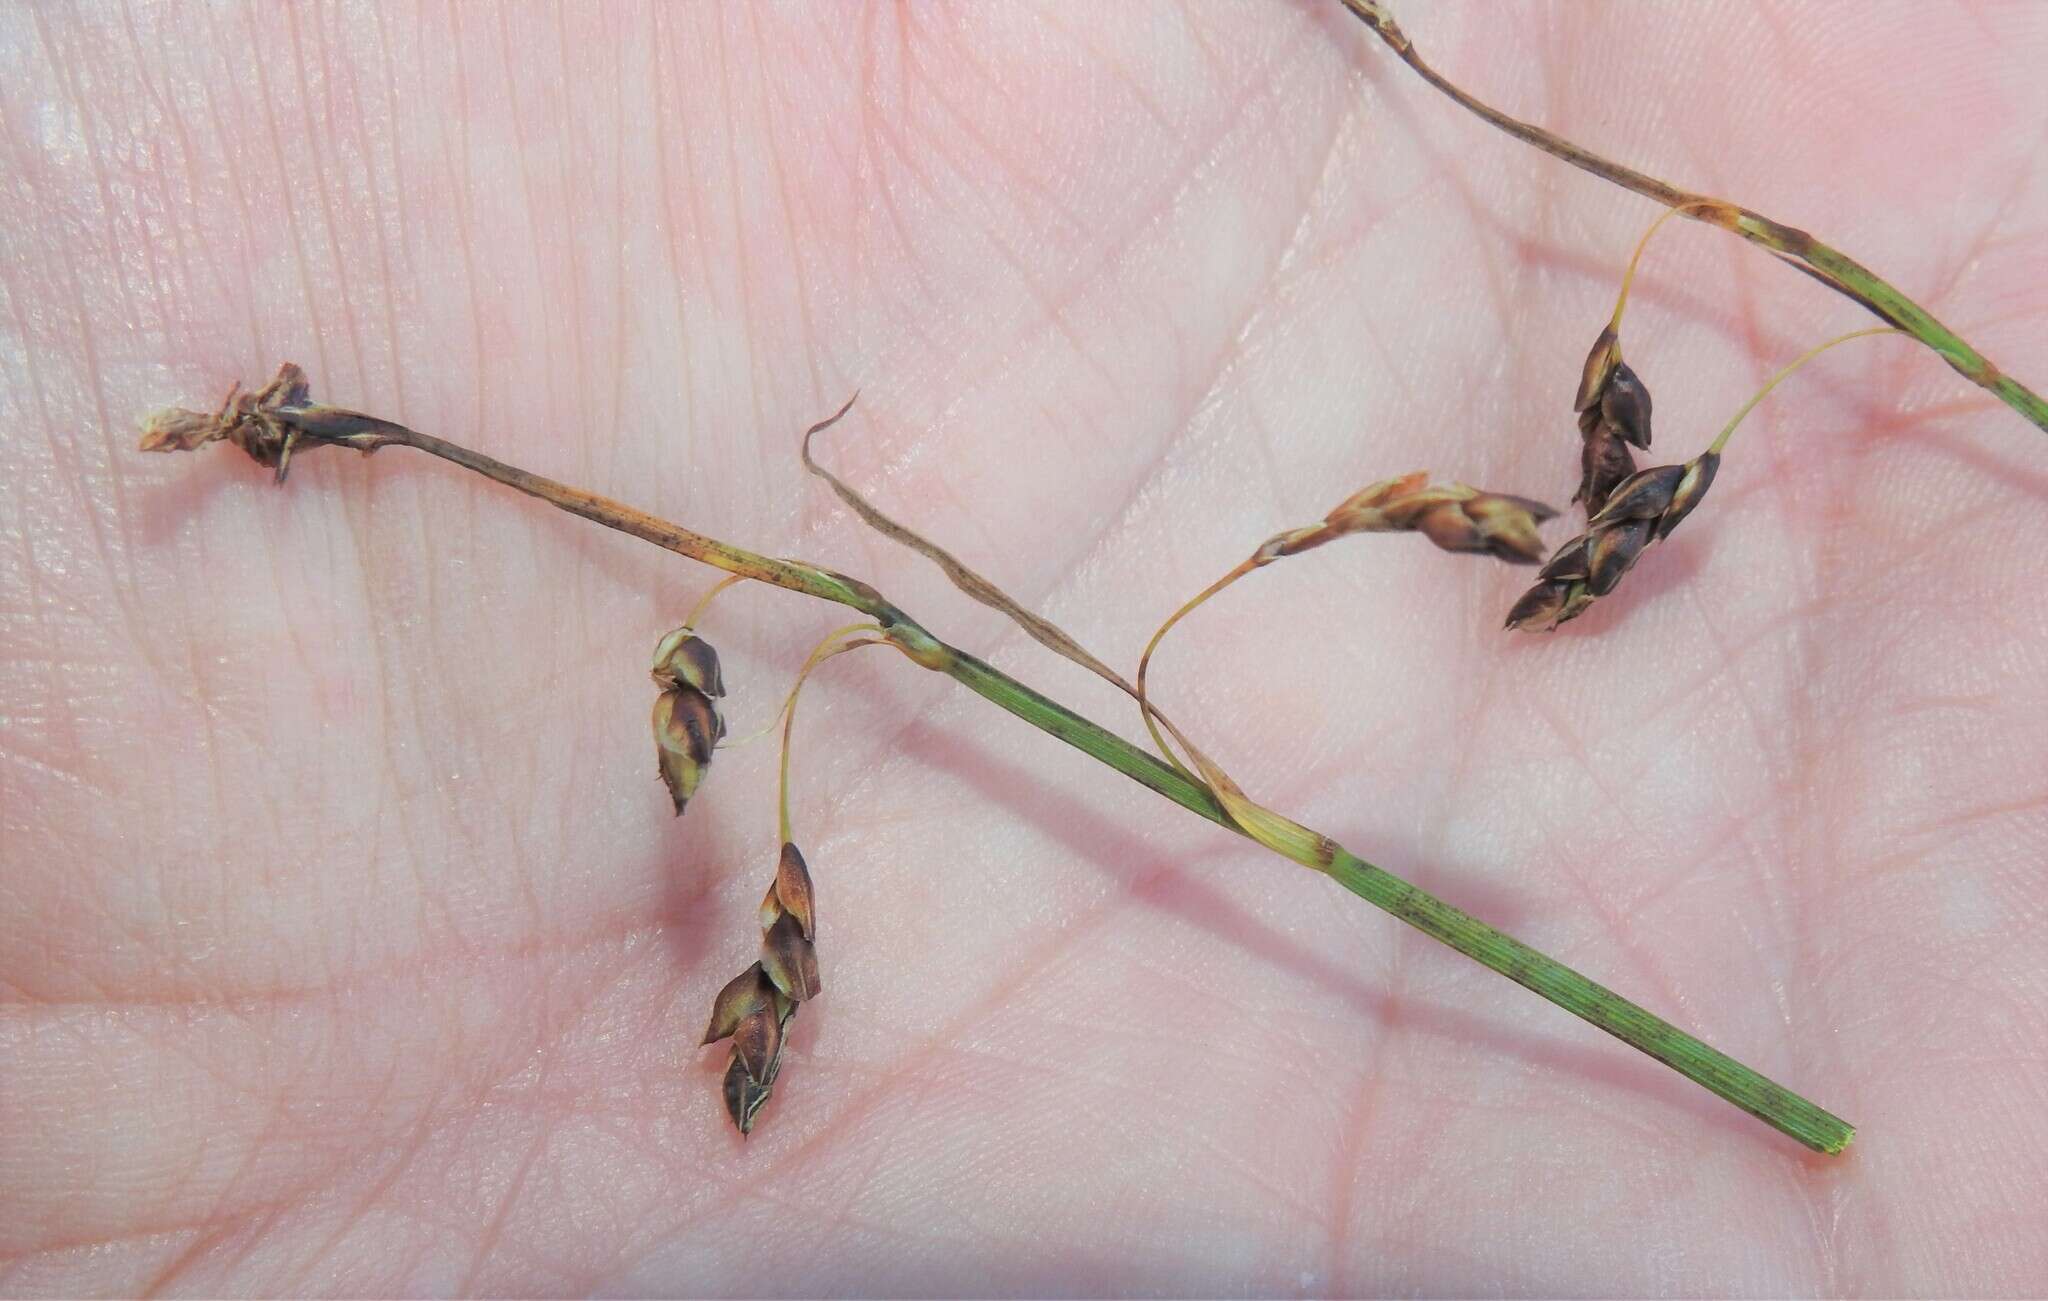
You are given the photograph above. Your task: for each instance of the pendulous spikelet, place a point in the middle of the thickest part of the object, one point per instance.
(1614, 411)
(755, 1007)
(1642, 509)
(687, 724)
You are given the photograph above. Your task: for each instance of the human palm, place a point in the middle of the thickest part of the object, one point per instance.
(346, 943)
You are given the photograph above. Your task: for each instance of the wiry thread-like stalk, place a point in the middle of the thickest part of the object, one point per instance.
(704, 601)
(1833, 268)
(831, 644)
(1628, 277)
(1784, 373)
(264, 428)
(1145, 709)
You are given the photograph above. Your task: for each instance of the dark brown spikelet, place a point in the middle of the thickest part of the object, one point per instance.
(1604, 460)
(687, 724)
(682, 657)
(745, 1095)
(755, 1008)
(1625, 406)
(743, 995)
(1614, 411)
(792, 890)
(1642, 509)
(1601, 361)
(755, 1016)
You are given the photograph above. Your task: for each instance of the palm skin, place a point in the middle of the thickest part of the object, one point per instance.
(346, 945)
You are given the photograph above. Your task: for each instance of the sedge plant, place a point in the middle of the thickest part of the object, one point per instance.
(1626, 511)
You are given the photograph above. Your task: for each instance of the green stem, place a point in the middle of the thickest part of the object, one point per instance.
(1583, 997)
(1768, 1102)
(1831, 267)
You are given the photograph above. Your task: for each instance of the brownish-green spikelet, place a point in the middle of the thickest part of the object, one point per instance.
(1453, 516)
(755, 1007)
(687, 724)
